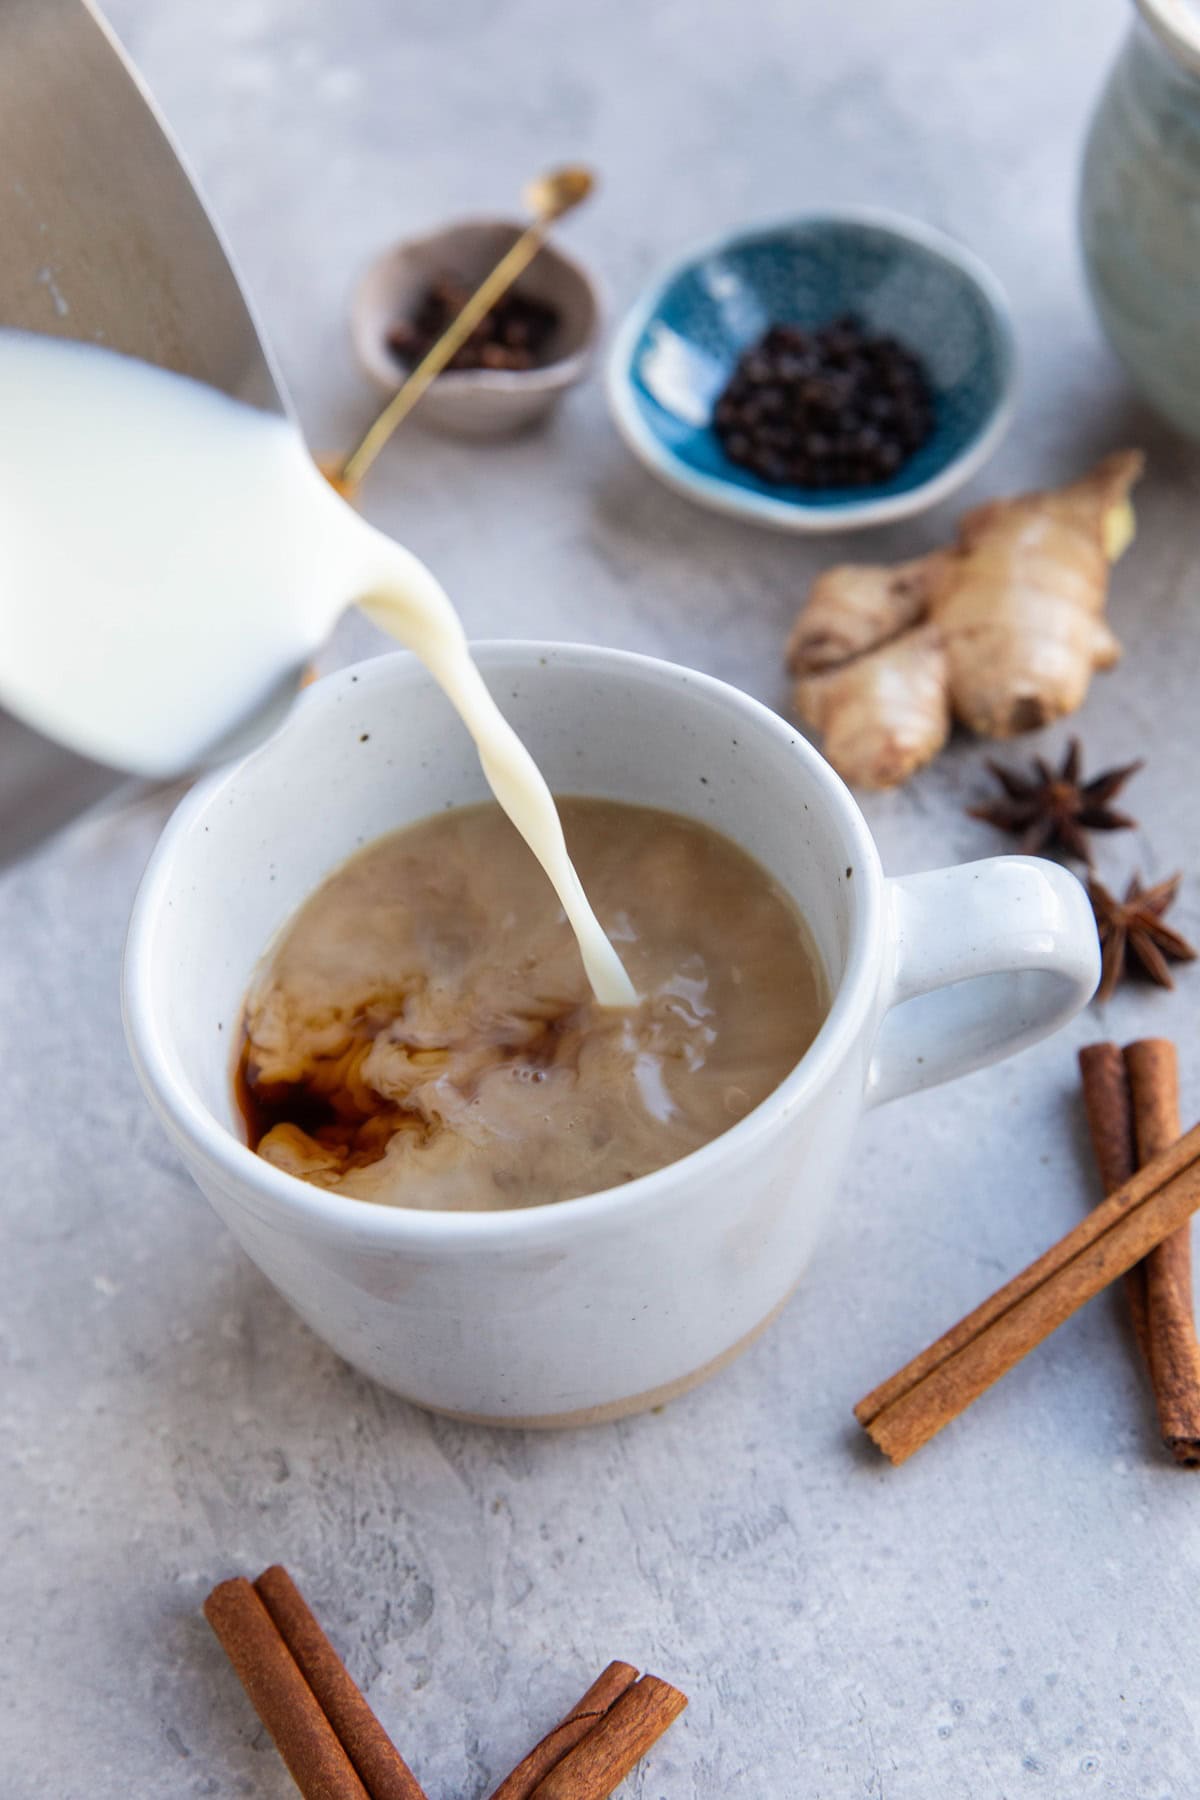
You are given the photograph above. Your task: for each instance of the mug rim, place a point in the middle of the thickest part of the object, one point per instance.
(194, 1127)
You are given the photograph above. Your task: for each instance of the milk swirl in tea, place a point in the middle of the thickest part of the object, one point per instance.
(423, 1035)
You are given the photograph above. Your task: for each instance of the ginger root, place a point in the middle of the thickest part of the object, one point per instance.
(1000, 632)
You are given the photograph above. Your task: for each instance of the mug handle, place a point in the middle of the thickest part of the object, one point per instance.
(987, 957)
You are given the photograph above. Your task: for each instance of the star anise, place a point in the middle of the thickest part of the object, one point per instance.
(1045, 808)
(1133, 931)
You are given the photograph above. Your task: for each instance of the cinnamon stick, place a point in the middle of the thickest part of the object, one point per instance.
(1109, 1107)
(280, 1695)
(598, 1700)
(379, 1765)
(1173, 1354)
(602, 1759)
(914, 1404)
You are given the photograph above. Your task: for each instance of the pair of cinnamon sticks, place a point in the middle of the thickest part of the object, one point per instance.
(336, 1749)
(1132, 1103)
(1142, 1231)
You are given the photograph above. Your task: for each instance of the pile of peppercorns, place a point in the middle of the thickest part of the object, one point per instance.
(824, 408)
(514, 335)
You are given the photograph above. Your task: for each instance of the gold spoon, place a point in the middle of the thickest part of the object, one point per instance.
(547, 198)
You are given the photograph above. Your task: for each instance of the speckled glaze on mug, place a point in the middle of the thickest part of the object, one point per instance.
(593, 1307)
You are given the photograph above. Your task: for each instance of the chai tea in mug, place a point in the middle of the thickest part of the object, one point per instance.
(422, 1033)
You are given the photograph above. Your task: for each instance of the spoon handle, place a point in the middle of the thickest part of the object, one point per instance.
(511, 265)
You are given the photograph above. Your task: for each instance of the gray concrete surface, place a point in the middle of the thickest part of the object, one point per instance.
(1010, 1615)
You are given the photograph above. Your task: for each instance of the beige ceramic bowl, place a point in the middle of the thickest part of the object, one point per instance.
(477, 402)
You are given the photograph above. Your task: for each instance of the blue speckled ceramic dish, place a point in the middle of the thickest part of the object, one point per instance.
(676, 350)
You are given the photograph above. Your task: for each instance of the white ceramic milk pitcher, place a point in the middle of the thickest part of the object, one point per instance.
(107, 243)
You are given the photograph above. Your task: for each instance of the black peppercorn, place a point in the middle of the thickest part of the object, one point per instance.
(827, 407)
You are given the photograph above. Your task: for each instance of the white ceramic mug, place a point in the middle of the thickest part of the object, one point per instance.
(589, 1308)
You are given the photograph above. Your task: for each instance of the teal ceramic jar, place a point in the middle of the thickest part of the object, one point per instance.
(1140, 208)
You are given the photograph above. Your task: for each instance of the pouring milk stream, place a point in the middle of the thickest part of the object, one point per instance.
(170, 558)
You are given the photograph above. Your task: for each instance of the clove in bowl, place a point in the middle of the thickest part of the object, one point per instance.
(409, 286)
